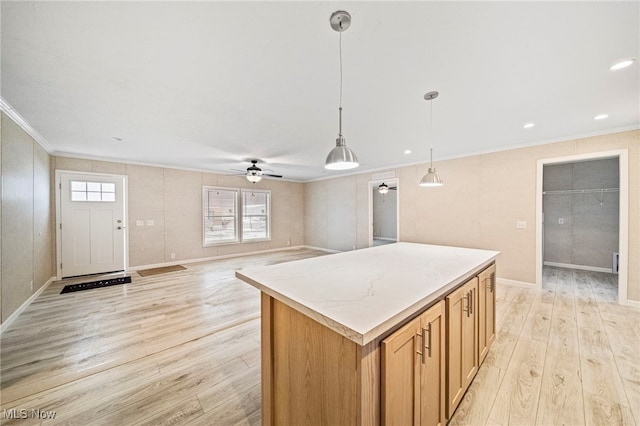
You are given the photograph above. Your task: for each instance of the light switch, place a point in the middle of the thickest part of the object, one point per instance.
(521, 224)
(139, 222)
(561, 221)
(150, 222)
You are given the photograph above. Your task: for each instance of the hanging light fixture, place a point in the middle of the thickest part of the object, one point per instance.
(383, 188)
(254, 173)
(341, 157)
(431, 178)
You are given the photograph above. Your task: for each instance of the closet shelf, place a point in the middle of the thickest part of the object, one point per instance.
(581, 191)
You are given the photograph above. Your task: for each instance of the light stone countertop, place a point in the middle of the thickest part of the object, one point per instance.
(362, 294)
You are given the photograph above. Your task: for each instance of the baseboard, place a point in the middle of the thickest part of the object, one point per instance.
(385, 239)
(322, 249)
(580, 267)
(25, 305)
(207, 259)
(632, 303)
(515, 283)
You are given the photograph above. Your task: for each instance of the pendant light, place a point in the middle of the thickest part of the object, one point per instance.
(340, 157)
(431, 178)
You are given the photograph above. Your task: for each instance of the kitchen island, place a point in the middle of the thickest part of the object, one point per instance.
(328, 325)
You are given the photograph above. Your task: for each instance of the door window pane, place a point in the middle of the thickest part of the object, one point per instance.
(93, 191)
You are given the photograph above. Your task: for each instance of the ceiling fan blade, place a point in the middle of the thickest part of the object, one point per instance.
(270, 175)
(239, 171)
(393, 188)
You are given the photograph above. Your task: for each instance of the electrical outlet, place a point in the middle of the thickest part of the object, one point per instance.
(150, 222)
(31, 285)
(139, 222)
(521, 224)
(173, 255)
(561, 221)
(288, 242)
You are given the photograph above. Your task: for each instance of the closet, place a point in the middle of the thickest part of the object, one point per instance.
(581, 215)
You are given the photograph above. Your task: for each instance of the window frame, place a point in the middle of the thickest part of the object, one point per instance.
(239, 215)
(267, 215)
(205, 207)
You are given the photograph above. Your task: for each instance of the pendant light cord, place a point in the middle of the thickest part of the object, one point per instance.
(340, 50)
(431, 133)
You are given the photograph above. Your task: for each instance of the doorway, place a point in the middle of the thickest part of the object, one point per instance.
(90, 223)
(383, 212)
(582, 218)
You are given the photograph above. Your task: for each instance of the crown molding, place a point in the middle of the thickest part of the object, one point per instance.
(24, 125)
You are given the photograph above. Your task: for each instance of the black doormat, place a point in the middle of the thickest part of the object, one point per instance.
(95, 284)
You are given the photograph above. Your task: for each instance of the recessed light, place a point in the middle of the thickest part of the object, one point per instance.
(528, 125)
(622, 64)
(601, 117)
(407, 151)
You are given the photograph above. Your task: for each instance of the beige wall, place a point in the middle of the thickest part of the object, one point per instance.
(483, 197)
(173, 200)
(27, 218)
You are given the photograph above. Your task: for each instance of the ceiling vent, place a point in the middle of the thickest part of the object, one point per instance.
(385, 175)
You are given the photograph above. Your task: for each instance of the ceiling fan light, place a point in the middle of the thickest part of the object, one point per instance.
(341, 157)
(383, 188)
(431, 178)
(254, 177)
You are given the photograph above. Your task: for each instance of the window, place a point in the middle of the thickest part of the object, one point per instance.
(255, 215)
(220, 215)
(232, 215)
(93, 191)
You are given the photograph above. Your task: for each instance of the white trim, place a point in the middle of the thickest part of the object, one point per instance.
(208, 259)
(24, 125)
(25, 305)
(371, 186)
(633, 303)
(332, 251)
(623, 227)
(515, 283)
(57, 192)
(579, 267)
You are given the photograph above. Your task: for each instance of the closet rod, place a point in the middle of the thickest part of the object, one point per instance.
(581, 191)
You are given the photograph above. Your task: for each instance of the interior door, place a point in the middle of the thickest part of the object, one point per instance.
(91, 223)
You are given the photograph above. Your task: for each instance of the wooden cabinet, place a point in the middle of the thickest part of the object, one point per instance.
(413, 371)
(486, 311)
(462, 341)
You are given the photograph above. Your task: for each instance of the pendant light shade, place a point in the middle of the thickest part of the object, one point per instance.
(341, 157)
(431, 178)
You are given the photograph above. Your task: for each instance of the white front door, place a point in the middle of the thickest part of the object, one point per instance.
(91, 223)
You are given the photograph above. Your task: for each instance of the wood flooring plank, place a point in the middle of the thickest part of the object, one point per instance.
(477, 402)
(516, 402)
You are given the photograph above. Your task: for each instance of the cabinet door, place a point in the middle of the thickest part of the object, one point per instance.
(461, 342)
(486, 311)
(401, 375)
(432, 377)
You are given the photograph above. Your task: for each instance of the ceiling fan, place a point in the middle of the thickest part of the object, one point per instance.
(383, 188)
(255, 174)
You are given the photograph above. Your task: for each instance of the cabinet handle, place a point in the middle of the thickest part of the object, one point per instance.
(493, 282)
(421, 351)
(467, 296)
(429, 339)
(471, 304)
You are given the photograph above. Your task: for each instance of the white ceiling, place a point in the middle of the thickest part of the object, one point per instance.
(208, 85)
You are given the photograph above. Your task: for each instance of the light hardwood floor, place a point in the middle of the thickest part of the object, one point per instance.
(184, 348)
